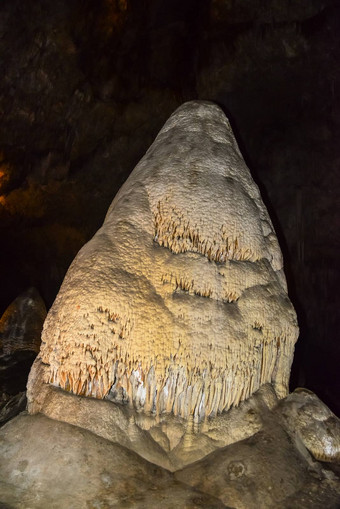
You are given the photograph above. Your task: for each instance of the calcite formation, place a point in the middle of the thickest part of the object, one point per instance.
(179, 303)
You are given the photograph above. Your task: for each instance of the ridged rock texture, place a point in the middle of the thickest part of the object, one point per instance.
(21, 323)
(179, 302)
(20, 337)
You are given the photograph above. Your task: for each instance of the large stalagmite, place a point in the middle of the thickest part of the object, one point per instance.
(179, 302)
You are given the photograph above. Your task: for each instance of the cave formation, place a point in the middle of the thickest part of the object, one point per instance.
(163, 370)
(178, 304)
(85, 88)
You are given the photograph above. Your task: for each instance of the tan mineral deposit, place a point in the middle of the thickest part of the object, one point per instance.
(162, 378)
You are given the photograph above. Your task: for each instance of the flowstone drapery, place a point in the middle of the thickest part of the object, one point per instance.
(179, 302)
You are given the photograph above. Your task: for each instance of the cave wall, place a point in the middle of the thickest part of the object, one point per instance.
(85, 87)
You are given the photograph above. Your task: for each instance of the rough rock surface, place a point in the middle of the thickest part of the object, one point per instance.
(178, 306)
(165, 440)
(311, 421)
(179, 302)
(52, 464)
(21, 323)
(264, 471)
(20, 337)
(10, 406)
(76, 103)
(48, 463)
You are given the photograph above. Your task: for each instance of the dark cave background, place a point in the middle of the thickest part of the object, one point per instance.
(86, 85)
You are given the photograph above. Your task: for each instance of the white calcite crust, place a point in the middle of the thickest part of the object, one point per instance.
(179, 303)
